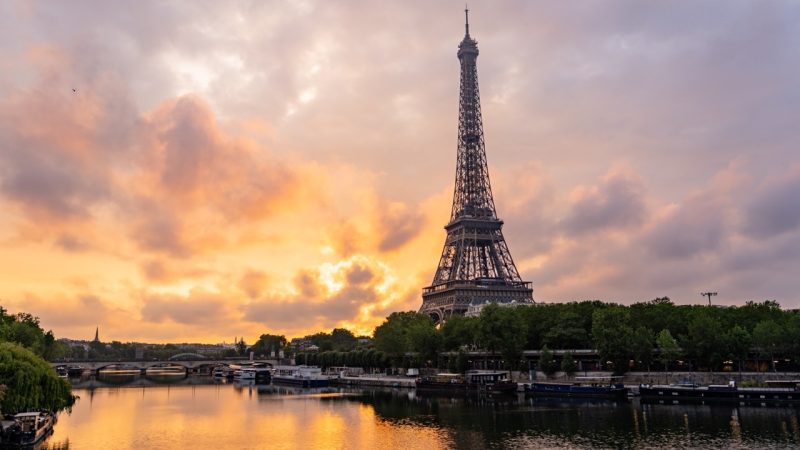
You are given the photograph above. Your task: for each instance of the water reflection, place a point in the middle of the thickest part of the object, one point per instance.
(221, 416)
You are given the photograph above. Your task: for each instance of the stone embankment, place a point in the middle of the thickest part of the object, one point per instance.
(637, 378)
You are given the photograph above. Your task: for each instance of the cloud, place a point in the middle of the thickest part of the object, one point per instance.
(775, 207)
(253, 283)
(73, 312)
(197, 308)
(398, 224)
(331, 295)
(287, 139)
(616, 203)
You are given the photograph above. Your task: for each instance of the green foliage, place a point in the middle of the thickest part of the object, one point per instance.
(404, 332)
(704, 342)
(241, 347)
(642, 341)
(269, 343)
(343, 339)
(459, 331)
(30, 382)
(547, 362)
(738, 343)
(24, 329)
(668, 348)
(613, 336)
(769, 339)
(568, 365)
(502, 329)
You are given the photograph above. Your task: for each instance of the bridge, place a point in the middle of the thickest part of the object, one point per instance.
(191, 365)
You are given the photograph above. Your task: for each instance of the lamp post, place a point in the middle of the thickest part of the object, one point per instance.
(709, 295)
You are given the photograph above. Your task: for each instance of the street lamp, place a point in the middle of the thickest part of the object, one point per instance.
(709, 295)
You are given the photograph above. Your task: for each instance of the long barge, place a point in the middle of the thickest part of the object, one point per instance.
(584, 387)
(474, 381)
(730, 393)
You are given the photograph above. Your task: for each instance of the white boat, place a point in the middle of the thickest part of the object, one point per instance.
(304, 376)
(257, 374)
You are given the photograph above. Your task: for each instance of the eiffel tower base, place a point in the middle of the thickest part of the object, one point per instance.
(444, 301)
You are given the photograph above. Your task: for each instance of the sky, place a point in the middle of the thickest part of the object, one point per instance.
(197, 171)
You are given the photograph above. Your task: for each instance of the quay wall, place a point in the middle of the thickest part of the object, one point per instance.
(636, 378)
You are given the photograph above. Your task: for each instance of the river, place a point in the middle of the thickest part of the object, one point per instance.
(196, 415)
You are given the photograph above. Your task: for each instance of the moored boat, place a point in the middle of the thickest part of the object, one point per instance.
(303, 376)
(789, 393)
(473, 381)
(259, 375)
(583, 387)
(26, 429)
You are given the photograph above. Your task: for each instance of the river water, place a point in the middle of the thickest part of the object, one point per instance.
(190, 414)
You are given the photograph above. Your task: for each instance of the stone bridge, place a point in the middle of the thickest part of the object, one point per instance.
(191, 365)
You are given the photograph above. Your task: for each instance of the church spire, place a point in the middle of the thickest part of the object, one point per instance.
(97, 334)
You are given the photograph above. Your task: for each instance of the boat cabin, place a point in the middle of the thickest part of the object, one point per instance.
(481, 377)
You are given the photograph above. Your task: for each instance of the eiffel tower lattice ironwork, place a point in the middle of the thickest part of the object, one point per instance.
(476, 266)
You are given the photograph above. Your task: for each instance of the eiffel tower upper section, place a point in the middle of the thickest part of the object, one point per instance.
(475, 266)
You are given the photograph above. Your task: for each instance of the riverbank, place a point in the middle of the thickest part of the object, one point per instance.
(637, 378)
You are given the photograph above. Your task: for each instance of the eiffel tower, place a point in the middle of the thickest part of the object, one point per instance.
(476, 266)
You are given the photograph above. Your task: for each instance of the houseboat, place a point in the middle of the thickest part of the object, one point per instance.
(26, 429)
(303, 376)
(259, 375)
(777, 392)
(474, 381)
(583, 387)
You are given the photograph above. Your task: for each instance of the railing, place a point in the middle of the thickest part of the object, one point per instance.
(477, 283)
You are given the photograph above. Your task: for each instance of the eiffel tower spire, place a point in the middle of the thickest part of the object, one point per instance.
(476, 266)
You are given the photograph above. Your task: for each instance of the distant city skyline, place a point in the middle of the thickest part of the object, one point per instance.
(194, 171)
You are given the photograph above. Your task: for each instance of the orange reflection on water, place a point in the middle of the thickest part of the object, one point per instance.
(227, 417)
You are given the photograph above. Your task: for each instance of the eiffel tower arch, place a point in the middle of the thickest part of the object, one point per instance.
(476, 266)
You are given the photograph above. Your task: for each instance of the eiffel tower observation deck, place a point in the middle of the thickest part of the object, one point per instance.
(476, 266)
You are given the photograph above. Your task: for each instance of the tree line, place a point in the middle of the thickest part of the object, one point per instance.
(647, 335)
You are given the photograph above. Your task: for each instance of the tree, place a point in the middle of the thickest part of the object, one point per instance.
(547, 363)
(343, 339)
(768, 337)
(704, 342)
(30, 382)
(424, 339)
(459, 331)
(269, 343)
(403, 332)
(642, 345)
(738, 343)
(568, 365)
(612, 336)
(502, 329)
(567, 332)
(668, 349)
(241, 347)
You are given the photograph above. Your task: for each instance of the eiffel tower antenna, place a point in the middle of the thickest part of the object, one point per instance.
(476, 266)
(466, 19)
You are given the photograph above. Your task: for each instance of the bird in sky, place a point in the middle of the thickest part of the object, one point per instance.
(74, 90)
